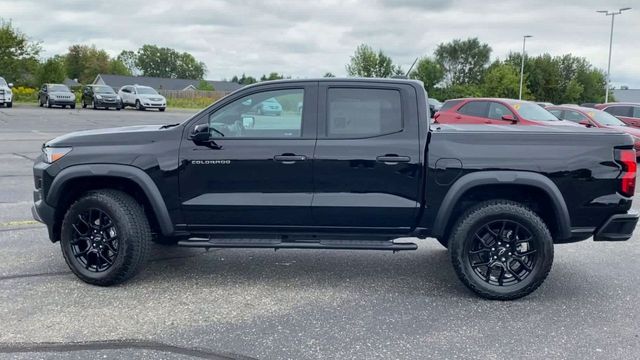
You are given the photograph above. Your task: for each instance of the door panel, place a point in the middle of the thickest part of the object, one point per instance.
(251, 181)
(367, 159)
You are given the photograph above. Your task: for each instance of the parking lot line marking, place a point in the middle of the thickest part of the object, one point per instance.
(18, 223)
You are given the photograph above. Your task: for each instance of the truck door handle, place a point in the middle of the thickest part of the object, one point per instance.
(289, 158)
(393, 159)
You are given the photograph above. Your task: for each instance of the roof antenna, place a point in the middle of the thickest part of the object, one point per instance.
(412, 65)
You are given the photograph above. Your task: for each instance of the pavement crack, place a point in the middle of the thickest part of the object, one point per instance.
(23, 276)
(23, 156)
(131, 344)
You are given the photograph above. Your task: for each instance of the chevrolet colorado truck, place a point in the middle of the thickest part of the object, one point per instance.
(357, 166)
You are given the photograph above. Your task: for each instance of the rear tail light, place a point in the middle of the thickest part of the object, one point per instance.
(627, 158)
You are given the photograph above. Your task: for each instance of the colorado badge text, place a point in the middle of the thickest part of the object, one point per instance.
(211, 162)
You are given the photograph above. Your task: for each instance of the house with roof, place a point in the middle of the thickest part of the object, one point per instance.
(118, 81)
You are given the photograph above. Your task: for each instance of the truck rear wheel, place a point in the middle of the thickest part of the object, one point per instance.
(501, 250)
(105, 237)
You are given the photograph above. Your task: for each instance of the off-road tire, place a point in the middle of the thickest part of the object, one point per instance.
(133, 230)
(465, 230)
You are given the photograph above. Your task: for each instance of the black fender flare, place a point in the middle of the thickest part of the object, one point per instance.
(118, 171)
(479, 178)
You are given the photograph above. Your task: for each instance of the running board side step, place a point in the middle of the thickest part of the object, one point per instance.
(278, 244)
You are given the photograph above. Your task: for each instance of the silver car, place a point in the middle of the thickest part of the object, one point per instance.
(142, 97)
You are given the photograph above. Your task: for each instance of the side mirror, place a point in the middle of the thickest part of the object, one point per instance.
(10, 85)
(586, 123)
(248, 122)
(509, 117)
(200, 134)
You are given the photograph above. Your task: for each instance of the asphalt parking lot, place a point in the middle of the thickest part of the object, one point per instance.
(289, 304)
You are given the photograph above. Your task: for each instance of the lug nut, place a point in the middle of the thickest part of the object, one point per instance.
(503, 259)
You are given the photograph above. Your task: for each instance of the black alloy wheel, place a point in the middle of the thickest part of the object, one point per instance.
(95, 243)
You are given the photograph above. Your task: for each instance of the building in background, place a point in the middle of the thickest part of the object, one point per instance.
(627, 95)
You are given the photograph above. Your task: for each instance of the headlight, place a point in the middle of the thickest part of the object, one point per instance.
(73, 96)
(99, 97)
(52, 154)
(118, 97)
(52, 96)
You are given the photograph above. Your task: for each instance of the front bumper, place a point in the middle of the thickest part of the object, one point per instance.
(618, 227)
(108, 104)
(42, 212)
(61, 102)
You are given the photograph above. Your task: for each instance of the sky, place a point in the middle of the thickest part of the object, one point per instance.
(305, 39)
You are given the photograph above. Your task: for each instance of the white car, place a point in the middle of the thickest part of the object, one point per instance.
(142, 97)
(6, 95)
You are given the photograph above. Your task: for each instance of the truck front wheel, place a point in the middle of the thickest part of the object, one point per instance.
(501, 250)
(105, 237)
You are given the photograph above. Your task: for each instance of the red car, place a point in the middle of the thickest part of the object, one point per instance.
(627, 112)
(495, 111)
(590, 117)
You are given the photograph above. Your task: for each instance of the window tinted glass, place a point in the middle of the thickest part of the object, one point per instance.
(363, 112)
(619, 110)
(604, 118)
(144, 90)
(59, 88)
(449, 104)
(497, 111)
(475, 108)
(531, 111)
(573, 116)
(267, 114)
(556, 113)
(636, 111)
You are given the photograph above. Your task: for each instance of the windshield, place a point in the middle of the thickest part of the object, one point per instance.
(58, 88)
(103, 90)
(604, 118)
(531, 111)
(146, 91)
(3, 82)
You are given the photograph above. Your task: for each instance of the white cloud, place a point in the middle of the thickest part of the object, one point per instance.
(307, 39)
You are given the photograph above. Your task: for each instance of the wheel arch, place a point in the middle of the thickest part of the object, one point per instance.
(74, 181)
(505, 184)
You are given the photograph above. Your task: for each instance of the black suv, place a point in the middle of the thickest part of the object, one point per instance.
(355, 167)
(100, 96)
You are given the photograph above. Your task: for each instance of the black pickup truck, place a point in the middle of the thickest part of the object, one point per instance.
(335, 164)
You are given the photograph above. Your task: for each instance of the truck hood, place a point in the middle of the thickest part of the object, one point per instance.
(128, 135)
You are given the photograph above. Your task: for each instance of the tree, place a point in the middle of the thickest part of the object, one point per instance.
(429, 72)
(464, 61)
(272, 76)
(168, 63)
(51, 71)
(18, 55)
(129, 59)
(503, 80)
(117, 67)
(204, 85)
(328, 75)
(367, 63)
(84, 63)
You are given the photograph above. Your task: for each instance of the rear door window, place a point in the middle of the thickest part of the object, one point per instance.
(475, 108)
(449, 104)
(573, 116)
(359, 113)
(620, 110)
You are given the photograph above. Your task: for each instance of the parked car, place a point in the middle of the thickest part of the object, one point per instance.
(100, 96)
(434, 106)
(6, 95)
(142, 97)
(496, 111)
(544, 104)
(595, 118)
(629, 113)
(270, 107)
(56, 95)
(364, 169)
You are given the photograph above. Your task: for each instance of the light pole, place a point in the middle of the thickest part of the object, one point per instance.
(613, 17)
(524, 42)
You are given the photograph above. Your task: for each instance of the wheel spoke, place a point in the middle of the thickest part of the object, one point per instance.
(75, 228)
(501, 276)
(482, 241)
(513, 273)
(478, 251)
(532, 251)
(84, 221)
(493, 233)
(504, 224)
(480, 264)
(98, 261)
(109, 262)
(82, 253)
(524, 265)
(487, 275)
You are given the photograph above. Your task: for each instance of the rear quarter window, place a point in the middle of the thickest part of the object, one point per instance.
(620, 110)
(449, 104)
